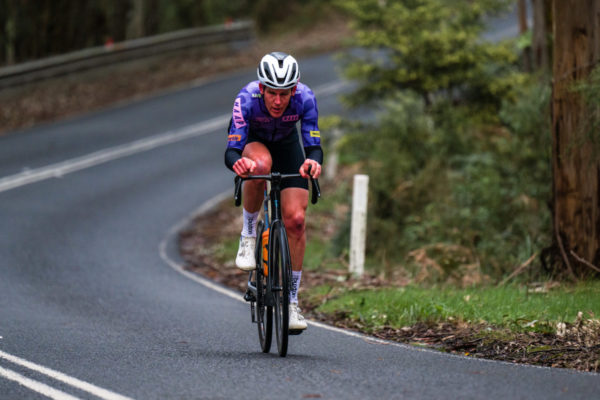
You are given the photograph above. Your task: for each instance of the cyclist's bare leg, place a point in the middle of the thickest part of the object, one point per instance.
(253, 190)
(293, 206)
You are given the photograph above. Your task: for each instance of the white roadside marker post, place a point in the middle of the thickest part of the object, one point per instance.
(358, 230)
(332, 160)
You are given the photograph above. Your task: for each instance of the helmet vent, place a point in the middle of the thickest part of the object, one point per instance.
(267, 71)
(293, 70)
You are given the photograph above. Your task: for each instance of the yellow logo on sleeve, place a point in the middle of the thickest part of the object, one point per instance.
(315, 134)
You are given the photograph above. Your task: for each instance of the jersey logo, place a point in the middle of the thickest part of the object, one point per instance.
(315, 134)
(238, 117)
(234, 138)
(290, 118)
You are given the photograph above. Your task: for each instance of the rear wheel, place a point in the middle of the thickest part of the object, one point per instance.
(280, 271)
(264, 313)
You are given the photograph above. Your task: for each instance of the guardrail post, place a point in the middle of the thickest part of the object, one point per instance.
(358, 230)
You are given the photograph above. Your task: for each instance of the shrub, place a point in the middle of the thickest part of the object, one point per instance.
(457, 181)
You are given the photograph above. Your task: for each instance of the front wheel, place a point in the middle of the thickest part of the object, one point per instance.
(264, 313)
(280, 268)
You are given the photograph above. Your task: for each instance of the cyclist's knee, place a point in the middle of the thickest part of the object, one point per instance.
(263, 165)
(294, 223)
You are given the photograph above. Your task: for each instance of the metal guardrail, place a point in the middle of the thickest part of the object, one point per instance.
(95, 57)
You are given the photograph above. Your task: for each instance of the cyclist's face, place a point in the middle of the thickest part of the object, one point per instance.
(276, 100)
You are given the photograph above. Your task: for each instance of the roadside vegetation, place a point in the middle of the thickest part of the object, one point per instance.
(459, 222)
(519, 308)
(459, 156)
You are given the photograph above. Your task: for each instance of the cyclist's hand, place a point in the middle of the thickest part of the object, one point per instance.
(315, 170)
(244, 167)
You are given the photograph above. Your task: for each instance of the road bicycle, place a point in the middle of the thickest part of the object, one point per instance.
(269, 283)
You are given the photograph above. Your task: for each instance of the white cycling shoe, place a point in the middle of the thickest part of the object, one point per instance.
(297, 321)
(245, 256)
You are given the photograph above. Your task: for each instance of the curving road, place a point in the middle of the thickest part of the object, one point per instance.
(91, 302)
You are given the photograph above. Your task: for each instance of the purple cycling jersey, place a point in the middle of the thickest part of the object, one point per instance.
(251, 115)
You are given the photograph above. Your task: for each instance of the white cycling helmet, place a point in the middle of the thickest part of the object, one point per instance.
(278, 70)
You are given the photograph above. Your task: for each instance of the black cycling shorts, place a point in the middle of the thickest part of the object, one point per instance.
(287, 156)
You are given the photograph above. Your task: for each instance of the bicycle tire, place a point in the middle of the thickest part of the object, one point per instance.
(280, 273)
(264, 313)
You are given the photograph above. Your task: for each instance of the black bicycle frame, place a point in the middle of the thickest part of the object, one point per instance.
(274, 197)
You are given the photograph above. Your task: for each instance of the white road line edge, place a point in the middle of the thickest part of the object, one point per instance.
(59, 376)
(36, 386)
(60, 169)
(162, 248)
(211, 203)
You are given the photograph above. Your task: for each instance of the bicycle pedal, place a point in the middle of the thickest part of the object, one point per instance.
(295, 331)
(249, 296)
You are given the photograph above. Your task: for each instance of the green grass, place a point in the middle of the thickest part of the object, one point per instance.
(510, 307)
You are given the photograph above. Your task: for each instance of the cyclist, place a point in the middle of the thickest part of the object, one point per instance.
(263, 137)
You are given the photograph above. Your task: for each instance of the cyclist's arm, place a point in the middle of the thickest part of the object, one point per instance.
(237, 132)
(314, 153)
(311, 135)
(231, 156)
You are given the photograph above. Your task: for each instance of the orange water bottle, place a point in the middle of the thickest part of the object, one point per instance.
(265, 252)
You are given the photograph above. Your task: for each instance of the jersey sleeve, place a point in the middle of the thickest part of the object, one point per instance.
(238, 127)
(311, 136)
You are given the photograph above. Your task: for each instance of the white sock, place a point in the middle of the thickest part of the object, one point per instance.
(296, 275)
(250, 220)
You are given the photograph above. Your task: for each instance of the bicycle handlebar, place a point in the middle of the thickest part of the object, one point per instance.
(316, 190)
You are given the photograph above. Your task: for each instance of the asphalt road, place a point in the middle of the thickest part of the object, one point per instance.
(91, 302)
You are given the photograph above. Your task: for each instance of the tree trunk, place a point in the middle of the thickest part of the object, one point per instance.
(136, 21)
(10, 32)
(575, 164)
(542, 27)
(522, 13)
